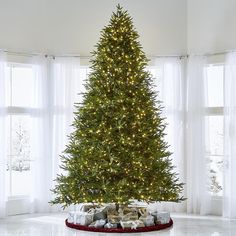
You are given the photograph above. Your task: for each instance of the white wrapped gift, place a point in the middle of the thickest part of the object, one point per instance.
(132, 224)
(80, 216)
(163, 217)
(148, 220)
(138, 204)
(98, 224)
(71, 217)
(86, 206)
(110, 226)
(137, 224)
(84, 218)
(126, 224)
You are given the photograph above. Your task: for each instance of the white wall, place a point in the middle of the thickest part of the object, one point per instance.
(73, 26)
(211, 25)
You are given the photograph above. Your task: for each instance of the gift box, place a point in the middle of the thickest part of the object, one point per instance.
(142, 211)
(137, 224)
(100, 213)
(98, 224)
(113, 216)
(71, 217)
(127, 210)
(147, 220)
(110, 226)
(87, 206)
(163, 217)
(110, 206)
(132, 224)
(138, 204)
(114, 219)
(82, 217)
(130, 216)
(126, 224)
(154, 214)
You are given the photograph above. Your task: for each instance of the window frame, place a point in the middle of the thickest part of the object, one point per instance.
(11, 111)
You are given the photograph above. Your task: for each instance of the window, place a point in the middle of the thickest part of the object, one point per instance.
(214, 122)
(19, 94)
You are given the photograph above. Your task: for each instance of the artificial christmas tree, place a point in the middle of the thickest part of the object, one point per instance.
(117, 151)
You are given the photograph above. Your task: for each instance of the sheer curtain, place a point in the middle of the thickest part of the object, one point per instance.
(41, 137)
(57, 82)
(229, 191)
(3, 149)
(199, 199)
(65, 86)
(170, 84)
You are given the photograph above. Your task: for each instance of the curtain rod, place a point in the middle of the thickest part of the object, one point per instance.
(89, 57)
(75, 55)
(42, 54)
(208, 54)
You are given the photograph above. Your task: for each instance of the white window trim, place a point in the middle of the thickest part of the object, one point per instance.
(18, 201)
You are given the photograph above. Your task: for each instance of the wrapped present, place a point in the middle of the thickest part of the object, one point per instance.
(87, 206)
(114, 219)
(113, 216)
(71, 217)
(147, 220)
(126, 224)
(82, 217)
(137, 224)
(110, 206)
(130, 216)
(138, 204)
(132, 224)
(110, 226)
(127, 210)
(98, 224)
(154, 214)
(163, 217)
(100, 213)
(143, 211)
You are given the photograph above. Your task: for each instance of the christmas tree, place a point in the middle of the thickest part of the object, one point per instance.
(117, 151)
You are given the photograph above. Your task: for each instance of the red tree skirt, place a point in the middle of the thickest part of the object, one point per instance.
(120, 230)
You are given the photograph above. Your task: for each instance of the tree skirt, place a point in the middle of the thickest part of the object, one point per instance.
(120, 230)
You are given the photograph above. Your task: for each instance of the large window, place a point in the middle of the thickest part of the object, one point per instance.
(214, 122)
(19, 97)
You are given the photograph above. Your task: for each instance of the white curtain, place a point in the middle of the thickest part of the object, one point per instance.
(41, 137)
(229, 190)
(3, 148)
(65, 86)
(57, 84)
(170, 84)
(199, 199)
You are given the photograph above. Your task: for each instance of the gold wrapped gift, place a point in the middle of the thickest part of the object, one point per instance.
(113, 216)
(143, 211)
(127, 210)
(130, 216)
